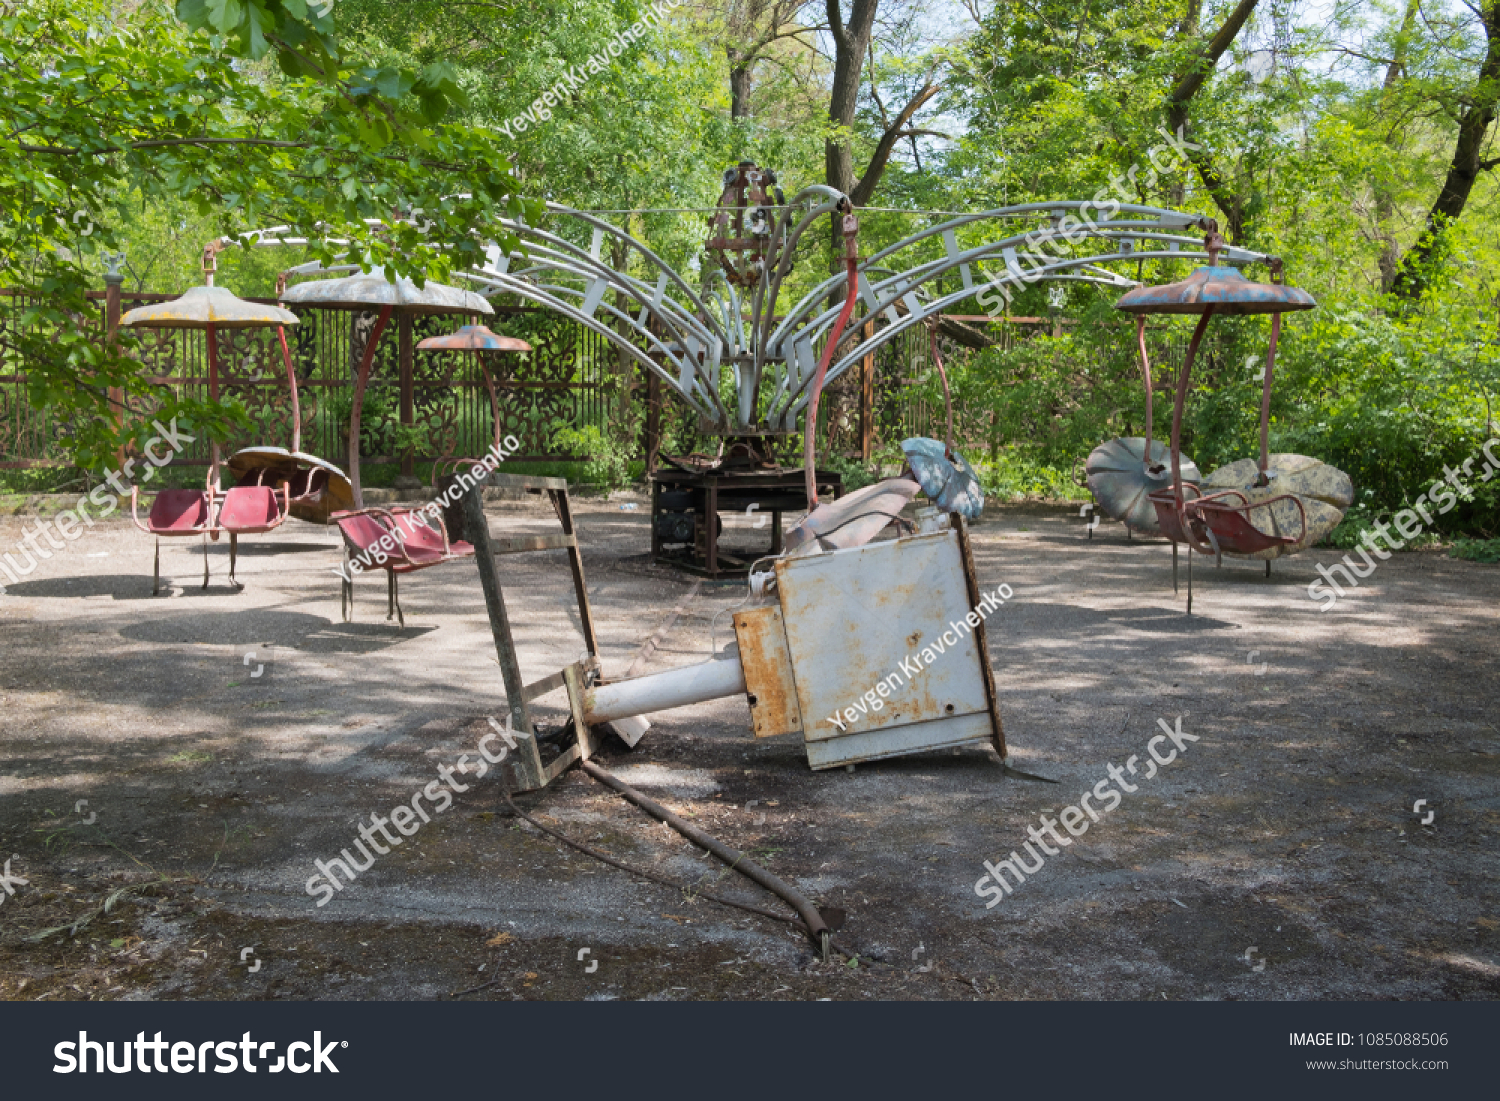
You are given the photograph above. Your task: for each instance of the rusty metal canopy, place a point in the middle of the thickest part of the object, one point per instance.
(337, 493)
(473, 338)
(1222, 288)
(1118, 478)
(201, 307)
(372, 290)
(950, 483)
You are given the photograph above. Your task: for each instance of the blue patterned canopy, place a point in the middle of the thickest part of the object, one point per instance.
(951, 484)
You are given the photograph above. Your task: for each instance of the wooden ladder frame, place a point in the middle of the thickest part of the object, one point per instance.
(527, 772)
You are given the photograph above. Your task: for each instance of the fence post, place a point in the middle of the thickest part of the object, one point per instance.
(403, 331)
(114, 279)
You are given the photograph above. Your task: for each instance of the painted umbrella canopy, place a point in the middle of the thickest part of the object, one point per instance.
(1223, 289)
(400, 297)
(950, 483)
(200, 307)
(1326, 492)
(473, 338)
(1119, 481)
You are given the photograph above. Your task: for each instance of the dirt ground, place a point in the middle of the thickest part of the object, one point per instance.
(1279, 857)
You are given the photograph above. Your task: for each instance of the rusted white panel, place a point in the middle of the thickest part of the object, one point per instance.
(888, 613)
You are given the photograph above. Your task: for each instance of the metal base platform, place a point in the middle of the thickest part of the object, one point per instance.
(693, 502)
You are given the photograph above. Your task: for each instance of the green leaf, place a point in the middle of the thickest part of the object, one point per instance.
(433, 106)
(225, 15)
(193, 12)
(256, 18)
(393, 83)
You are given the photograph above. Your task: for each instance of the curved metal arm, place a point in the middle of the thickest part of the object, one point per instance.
(1140, 339)
(810, 429)
(135, 495)
(286, 505)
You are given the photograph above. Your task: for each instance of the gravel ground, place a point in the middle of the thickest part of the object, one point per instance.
(1279, 857)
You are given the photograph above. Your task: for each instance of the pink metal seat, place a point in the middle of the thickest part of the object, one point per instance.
(175, 513)
(251, 510)
(1228, 525)
(1220, 522)
(403, 538)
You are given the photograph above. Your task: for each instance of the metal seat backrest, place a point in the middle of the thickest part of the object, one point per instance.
(178, 512)
(364, 532)
(1236, 534)
(247, 507)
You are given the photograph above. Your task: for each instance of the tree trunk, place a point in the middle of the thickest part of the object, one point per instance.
(850, 41)
(740, 66)
(1385, 201)
(1229, 200)
(1473, 128)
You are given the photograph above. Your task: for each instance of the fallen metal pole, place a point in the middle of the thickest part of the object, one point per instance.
(709, 680)
(605, 858)
(817, 928)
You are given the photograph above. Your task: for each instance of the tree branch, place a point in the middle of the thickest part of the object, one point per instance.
(865, 188)
(65, 151)
(1207, 56)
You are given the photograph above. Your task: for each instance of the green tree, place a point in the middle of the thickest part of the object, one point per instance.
(102, 107)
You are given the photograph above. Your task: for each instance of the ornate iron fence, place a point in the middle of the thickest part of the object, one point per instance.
(565, 380)
(571, 378)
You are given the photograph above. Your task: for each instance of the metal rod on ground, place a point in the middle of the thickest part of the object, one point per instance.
(652, 876)
(1190, 579)
(817, 928)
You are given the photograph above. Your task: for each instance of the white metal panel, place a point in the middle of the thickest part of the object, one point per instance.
(872, 745)
(852, 617)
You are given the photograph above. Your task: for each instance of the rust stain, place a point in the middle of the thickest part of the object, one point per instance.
(768, 672)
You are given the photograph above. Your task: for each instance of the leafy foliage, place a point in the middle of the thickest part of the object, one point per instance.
(104, 109)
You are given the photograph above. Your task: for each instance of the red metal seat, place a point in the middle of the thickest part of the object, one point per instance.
(251, 510)
(175, 513)
(1164, 501)
(403, 538)
(1229, 528)
(1216, 524)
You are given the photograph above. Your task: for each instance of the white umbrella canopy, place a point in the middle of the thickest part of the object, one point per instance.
(375, 289)
(212, 308)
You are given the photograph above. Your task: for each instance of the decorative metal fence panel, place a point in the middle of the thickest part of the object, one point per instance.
(569, 379)
(562, 382)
